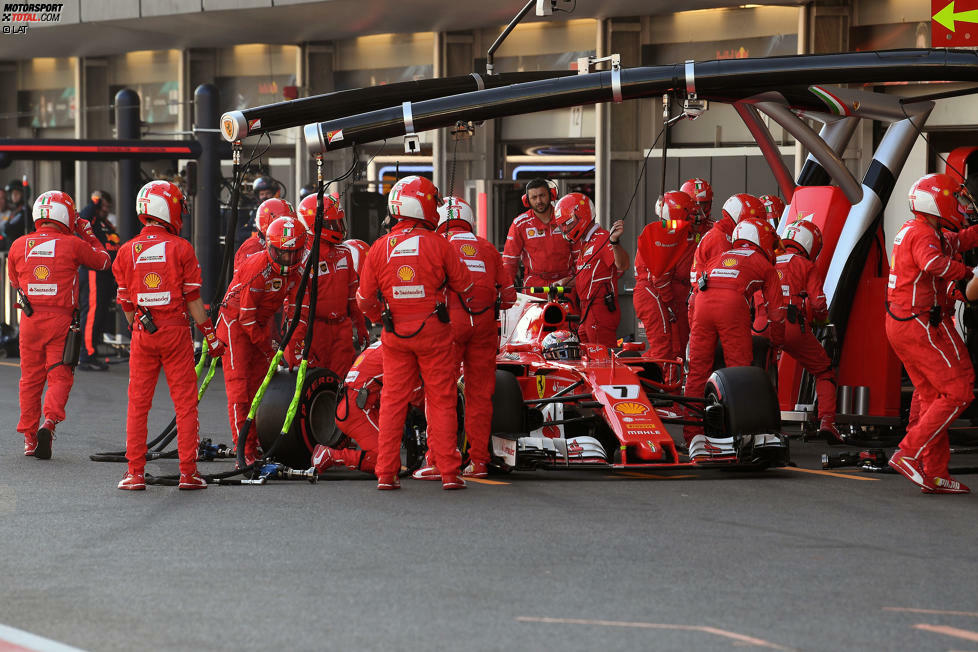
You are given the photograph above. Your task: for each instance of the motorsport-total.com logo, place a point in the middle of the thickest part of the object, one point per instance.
(29, 12)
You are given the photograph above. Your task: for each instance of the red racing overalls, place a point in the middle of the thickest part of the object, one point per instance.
(44, 266)
(723, 313)
(408, 271)
(931, 351)
(596, 287)
(158, 274)
(475, 332)
(545, 254)
(257, 291)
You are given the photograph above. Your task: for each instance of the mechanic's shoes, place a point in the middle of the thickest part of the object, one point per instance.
(322, 458)
(829, 432)
(451, 482)
(93, 365)
(476, 470)
(133, 482)
(935, 484)
(388, 482)
(30, 444)
(703, 448)
(429, 472)
(45, 435)
(191, 481)
(909, 467)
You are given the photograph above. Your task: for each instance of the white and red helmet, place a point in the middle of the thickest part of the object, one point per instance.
(675, 205)
(269, 211)
(163, 202)
(805, 236)
(455, 213)
(574, 215)
(414, 198)
(701, 192)
(358, 251)
(334, 225)
(942, 197)
(742, 206)
(758, 232)
(55, 206)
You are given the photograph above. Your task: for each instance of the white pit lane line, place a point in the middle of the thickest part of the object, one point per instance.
(16, 640)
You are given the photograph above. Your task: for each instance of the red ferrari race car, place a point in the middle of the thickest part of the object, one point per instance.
(563, 405)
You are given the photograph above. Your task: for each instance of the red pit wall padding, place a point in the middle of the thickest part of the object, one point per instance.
(867, 358)
(828, 207)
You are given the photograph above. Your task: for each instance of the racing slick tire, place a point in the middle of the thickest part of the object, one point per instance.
(507, 406)
(764, 358)
(315, 418)
(750, 414)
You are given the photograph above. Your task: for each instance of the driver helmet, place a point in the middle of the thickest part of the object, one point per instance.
(285, 241)
(561, 345)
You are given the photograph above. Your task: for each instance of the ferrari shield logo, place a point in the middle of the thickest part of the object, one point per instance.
(137, 247)
(541, 385)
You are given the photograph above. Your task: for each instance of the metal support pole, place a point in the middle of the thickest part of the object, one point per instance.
(207, 214)
(127, 128)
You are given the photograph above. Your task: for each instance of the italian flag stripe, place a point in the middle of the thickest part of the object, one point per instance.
(835, 105)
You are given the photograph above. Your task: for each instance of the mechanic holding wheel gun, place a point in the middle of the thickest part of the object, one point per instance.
(42, 267)
(726, 286)
(336, 287)
(257, 291)
(534, 240)
(600, 262)
(922, 333)
(403, 285)
(474, 328)
(159, 283)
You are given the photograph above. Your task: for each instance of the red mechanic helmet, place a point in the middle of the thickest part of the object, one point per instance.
(805, 236)
(57, 207)
(334, 226)
(675, 205)
(285, 241)
(574, 215)
(758, 232)
(741, 206)
(415, 198)
(773, 206)
(942, 197)
(269, 211)
(702, 193)
(162, 201)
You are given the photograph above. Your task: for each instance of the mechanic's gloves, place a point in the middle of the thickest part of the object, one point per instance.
(672, 315)
(84, 229)
(215, 347)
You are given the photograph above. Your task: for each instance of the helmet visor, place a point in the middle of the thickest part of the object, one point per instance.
(284, 257)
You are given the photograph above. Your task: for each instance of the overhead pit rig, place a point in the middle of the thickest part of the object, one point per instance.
(788, 90)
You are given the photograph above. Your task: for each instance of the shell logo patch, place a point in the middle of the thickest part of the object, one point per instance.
(405, 273)
(630, 407)
(152, 280)
(41, 272)
(468, 250)
(729, 262)
(780, 274)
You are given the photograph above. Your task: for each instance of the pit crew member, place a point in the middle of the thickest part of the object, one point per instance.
(159, 282)
(534, 240)
(723, 312)
(600, 262)
(403, 284)
(257, 291)
(266, 213)
(923, 335)
(42, 267)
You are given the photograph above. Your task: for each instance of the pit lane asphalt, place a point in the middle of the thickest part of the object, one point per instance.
(573, 561)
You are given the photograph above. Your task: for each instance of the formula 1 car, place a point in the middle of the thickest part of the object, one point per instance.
(609, 408)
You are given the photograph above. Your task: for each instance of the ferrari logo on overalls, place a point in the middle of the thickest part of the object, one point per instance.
(30, 244)
(541, 385)
(392, 242)
(137, 247)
